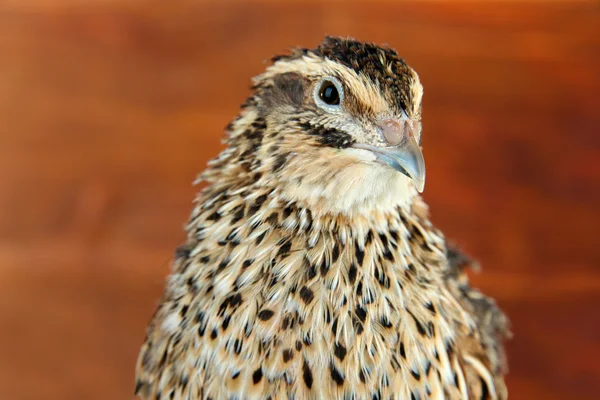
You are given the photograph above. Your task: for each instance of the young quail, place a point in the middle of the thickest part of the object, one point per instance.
(311, 269)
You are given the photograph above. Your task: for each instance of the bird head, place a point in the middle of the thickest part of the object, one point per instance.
(339, 127)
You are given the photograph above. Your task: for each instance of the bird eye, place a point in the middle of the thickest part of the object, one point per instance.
(329, 94)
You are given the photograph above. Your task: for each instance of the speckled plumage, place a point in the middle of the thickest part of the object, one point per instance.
(311, 271)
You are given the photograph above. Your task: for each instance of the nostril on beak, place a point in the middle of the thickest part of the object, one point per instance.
(393, 131)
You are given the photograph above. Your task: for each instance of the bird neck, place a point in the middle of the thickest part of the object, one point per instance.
(256, 242)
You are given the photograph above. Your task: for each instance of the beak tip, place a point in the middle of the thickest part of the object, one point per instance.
(420, 184)
(418, 178)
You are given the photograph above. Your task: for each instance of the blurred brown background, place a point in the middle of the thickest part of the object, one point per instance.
(108, 109)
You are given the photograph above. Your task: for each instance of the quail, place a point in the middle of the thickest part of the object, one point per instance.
(311, 269)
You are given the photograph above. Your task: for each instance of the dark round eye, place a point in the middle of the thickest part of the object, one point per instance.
(329, 93)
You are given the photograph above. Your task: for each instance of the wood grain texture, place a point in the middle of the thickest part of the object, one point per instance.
(108, 110)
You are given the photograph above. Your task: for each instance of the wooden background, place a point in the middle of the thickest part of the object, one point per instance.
(108, 109)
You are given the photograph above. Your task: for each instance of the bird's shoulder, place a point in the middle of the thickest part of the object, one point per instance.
(486, 363)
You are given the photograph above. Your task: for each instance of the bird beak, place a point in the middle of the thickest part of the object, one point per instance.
(404, 153)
